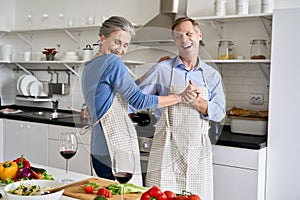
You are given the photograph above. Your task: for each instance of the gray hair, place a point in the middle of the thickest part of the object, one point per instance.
(116, 23)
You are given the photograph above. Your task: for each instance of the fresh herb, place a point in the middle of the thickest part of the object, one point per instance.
(116, 188)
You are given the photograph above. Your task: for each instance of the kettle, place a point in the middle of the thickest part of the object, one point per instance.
(87, 52)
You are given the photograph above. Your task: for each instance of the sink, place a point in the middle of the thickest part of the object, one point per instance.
(50, 115)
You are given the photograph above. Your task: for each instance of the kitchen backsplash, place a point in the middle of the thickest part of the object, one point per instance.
(240, 81)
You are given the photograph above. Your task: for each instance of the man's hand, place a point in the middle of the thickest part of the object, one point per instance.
(198, 102)
(189, 94)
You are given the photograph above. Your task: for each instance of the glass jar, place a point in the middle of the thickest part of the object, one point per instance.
(225, 51)
(258, 49)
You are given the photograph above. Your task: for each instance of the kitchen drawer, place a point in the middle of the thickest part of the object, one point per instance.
(239, 157)
(79, 163)
(232, 183)
(55, 130)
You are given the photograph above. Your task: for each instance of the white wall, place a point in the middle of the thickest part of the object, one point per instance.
(278, 4)
(7, 14)
(77, 9)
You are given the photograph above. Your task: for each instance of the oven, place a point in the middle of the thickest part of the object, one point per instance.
(145, 146)
(144, 122)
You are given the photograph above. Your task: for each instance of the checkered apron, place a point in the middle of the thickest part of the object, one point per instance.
(120, 134)
(180, 157)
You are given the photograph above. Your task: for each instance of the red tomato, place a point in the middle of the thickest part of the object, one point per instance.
(145, 196)
(104, 192)
(162, 197)
(155, 192)
(170, 195)
(194, 197)
(88, 189)
(181, 197)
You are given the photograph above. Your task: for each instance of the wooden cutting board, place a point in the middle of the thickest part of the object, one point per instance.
(75, 190)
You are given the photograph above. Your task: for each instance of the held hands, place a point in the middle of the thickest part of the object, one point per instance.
(190, 93)
(192, 96)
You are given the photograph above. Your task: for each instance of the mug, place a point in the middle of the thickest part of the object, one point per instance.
(26, 55)
(6, 52)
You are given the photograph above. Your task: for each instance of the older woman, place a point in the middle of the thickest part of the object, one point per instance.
(108, 88)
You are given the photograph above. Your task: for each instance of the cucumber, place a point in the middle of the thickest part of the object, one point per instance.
(100, 198)
(41, 170)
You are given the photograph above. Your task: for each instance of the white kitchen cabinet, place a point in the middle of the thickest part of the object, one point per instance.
(81, 161)
(239, 173)
(1, 140)
(28, 138)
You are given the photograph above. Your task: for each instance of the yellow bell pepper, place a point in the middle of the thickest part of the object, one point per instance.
(9, 170)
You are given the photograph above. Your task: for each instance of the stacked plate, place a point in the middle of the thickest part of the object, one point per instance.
(28, 85)
(70, 56)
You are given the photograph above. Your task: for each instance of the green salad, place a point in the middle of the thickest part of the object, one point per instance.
(28, 190)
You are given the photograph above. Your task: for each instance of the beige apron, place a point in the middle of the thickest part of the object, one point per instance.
(121, 134)
(180, 157)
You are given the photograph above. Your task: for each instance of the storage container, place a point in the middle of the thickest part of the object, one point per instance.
(241, 7)
(266, 6)
(258, 49)
(225, 50)
(220, 7)
(248, 125)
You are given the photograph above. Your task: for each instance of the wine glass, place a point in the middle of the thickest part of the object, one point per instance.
(123, 166)
(68, 145)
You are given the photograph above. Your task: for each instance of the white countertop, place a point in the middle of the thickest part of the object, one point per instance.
(57, 174)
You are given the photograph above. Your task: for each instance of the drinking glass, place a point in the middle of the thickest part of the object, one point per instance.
(45, 20)
(68, 146)
(123, 166)
(29, 20)
(61, 19)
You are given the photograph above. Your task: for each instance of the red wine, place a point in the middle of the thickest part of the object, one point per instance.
(67, 154)
(123, 177)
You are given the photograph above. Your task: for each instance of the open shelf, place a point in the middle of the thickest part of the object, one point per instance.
(234, 18)
(239, 61)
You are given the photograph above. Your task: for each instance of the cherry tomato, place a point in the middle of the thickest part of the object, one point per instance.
(193, 197)
(155, 192)
(145, 196)
(104, 192)
(162, 197)
(170, 195)
(181, 197)
(88, 189)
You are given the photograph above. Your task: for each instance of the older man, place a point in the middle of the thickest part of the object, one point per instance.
(180, 157)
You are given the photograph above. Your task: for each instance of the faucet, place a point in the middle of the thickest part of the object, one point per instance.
(55, 106)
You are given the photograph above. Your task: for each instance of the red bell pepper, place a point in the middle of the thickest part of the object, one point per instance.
(154, 193)
(22, 162)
